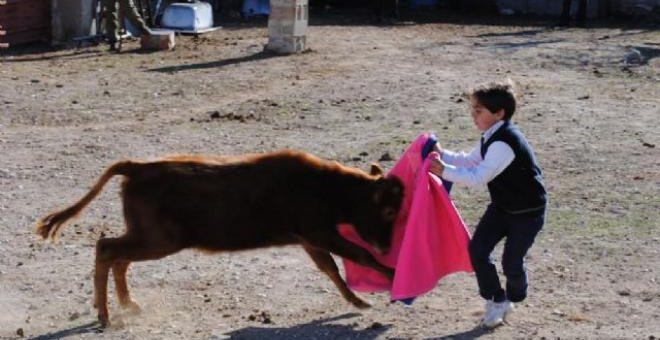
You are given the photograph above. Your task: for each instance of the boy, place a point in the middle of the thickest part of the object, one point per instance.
(506, 163)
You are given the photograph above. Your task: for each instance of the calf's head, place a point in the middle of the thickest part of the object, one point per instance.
(376, 212)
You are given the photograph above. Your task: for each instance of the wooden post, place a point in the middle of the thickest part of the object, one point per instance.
(2, 31)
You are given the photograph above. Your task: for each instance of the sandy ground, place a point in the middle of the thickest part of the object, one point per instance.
(363, 91)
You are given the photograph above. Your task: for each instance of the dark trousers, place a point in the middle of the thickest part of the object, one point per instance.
(580, 16)
(519, 231)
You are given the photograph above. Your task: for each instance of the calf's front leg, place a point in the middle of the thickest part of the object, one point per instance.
(346, 249)
(327, 264)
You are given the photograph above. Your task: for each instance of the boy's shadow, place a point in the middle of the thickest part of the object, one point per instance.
(317, 329)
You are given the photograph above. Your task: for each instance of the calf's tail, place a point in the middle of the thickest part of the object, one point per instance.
(51, 224)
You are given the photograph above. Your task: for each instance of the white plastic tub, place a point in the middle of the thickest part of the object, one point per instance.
(194, 17)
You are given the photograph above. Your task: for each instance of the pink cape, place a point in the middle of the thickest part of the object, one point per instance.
(429, 240)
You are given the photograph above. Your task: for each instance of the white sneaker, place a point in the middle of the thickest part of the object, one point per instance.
(496, 313)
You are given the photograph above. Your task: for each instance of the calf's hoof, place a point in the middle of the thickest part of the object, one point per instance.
(104, 322)
(132, 308)
(359, 303)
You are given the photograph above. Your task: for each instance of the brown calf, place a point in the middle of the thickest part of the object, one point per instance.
(234, 203)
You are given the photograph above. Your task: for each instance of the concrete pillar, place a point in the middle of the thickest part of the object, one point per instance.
(72, 18)
(287, 26)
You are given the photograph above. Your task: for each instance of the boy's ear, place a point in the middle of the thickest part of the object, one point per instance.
(376, 170)
(499, 113)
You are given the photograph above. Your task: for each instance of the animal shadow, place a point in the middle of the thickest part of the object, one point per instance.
(317, 329)
(92, 327)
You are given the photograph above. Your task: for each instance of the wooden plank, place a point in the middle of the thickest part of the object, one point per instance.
(27, 36)
(25, 21)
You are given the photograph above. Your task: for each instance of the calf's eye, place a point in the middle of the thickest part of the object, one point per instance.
(389, 214)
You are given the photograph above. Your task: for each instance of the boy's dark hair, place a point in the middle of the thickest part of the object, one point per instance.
(495, 96)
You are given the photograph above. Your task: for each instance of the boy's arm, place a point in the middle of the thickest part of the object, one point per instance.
(499, 157)
(462, 159)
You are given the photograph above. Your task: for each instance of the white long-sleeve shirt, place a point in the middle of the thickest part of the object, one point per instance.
(473, 170)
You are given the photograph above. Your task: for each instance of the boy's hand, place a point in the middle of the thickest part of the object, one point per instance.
(437, 167)
(437, 148)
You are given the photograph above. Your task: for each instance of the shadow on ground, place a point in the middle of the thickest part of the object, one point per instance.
(217, 64)
(474, 333)
(317, 329)
(92, 327)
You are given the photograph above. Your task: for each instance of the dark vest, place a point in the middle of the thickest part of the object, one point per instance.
(519, 188)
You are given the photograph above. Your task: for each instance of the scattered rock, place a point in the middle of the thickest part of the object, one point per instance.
(578, 317)
(648, 145)
(262, 317)
(376, 325)
(633, 57)
(386, 157)
(74, 316)
(6, 174)
(34, 81)
(624, 292)
(558, 312)
(647, 296)
(20, 332)
(583, 97)
(233, 116)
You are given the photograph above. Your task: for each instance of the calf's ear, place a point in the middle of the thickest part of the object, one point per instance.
(376, 170)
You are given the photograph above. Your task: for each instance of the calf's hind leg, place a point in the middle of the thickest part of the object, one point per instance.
(118, 253)
(119, 270)
(326, 264)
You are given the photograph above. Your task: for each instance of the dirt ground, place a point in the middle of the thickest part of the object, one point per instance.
(589, 105)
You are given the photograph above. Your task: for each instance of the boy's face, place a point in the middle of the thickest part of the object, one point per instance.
(484, 118)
